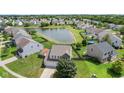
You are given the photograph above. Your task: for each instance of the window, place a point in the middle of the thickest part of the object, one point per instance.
(91, 49)
(108, 52)
(105, 54)
(111, 52)
(52, 56)
(116, 41)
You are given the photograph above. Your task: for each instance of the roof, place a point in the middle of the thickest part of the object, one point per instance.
(60, 50)
(22, 33)
(94, 30)
(104, 47)
(114, 37)
(22, 42)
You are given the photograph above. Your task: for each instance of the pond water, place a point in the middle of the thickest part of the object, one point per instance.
(58, 34)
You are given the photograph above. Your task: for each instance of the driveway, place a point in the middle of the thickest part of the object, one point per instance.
(48, 72)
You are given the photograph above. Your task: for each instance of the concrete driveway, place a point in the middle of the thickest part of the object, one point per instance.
(48, 72)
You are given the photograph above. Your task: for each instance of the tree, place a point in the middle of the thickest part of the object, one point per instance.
(27, 24)
(122, 30)
(66, 69)
(9, 24)
(117, 67)
(78, 46)
(43, 24)
(84, 42)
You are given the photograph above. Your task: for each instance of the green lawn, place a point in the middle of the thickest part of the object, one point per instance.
(120, 52)
(76, 33)
(80, 52)
(4, 74)
(7, 53)
(28, 67)
(46, 43)
(87, 68)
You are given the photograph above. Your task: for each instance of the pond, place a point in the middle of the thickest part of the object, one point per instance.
(58, 34)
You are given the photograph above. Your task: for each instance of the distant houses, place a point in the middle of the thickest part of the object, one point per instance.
(57, 52)
(24, 42)
(102, 51)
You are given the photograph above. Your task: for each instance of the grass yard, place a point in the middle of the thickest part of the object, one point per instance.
(76, 53)
(76, 33)
(86, 68)
(120, 53)
(46, 43)
(4, 74)
(7, 53)
(28, 67)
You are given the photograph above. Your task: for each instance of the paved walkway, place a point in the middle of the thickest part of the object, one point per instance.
(12, 72)
(47, 73)
(12, 59)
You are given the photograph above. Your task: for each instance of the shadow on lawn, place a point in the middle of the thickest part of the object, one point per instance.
(93, 60)
(109, 71)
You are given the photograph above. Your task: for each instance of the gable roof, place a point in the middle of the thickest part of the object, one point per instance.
(22, 42)
(60, 50)
(114, 37)
(103, 46)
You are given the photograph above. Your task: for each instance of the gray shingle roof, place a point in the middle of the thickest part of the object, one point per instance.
(60, 50)
(104, 47)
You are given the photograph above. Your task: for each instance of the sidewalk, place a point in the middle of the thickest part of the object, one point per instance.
(12, 59)
(12, 72)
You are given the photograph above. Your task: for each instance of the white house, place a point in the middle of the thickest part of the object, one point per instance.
(110, 38)
(102, 51)
(27, 47)
(114, 41)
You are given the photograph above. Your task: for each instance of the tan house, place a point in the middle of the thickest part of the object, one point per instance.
(102, 51)
(57, 52)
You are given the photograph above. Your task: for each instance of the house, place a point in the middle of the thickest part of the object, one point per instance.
(27, 47)
(11, 30)
(114, 41)
(57, 52)
(110, 38)
(114, 26)
(102, 35)
(102, 51)
(54, 21)
(21, 32)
